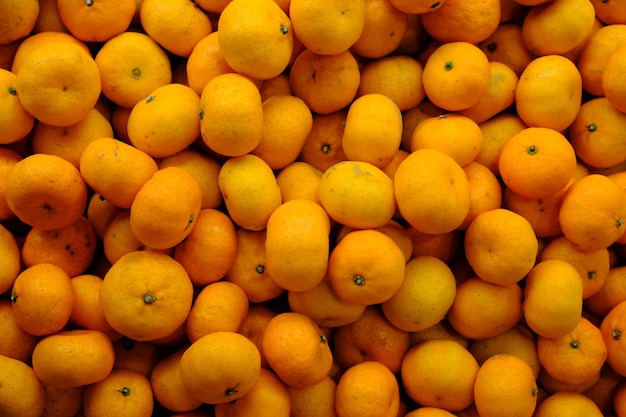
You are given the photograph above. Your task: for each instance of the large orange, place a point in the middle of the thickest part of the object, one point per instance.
(383, 30)
(122, 391)
(458, 20)
(96, 21)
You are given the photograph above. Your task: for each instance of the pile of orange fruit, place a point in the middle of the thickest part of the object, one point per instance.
(313, 208)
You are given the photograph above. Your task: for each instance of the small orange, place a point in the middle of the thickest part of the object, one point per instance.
(505, 385)
(136, 356)
(96, 21)
(18, 20)
(412, 117)
(29, 44)
(22, 394)
(425, 296)
(357, 395)
(10, 259)
(146, 295)
(255, 37)
(315, 401)
(322, 148)
(496, 132)
(132, 65)
(299, 180)
(63, 401)
(610, 294)
(253, 326)
(205, 62)
(612, 327)
(429, 412)
(432, 191)
(16, 122)
(485, 191)
(8, 158)
(357, 194)
(73, 358)
(122, 391)
(17, 343)
(613, 78)
(575, 404)
(383, 31)
(219, 306)
(594, 56)
(456, 20)
(456, 74)
(276, 86)
(440, 373)
(251, 193)
(442, 246)
(166, 208)
(506, 45)
(87, 312)
(166, 121)
(326, 83)
(609, 12)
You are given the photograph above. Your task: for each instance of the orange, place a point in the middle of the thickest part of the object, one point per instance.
(96, 21)
(253, 326)
(250, 191)
(87, 312)
(442, 246)
(167, 384)
(15, 121)
(58, 83)
(370, 338)
(593, 266)
(425, 296)
(166, 208)
(482, 309)
(248, 268)
(8, 158)
(175, 25)
(322, 148)
(22, 393)
(417, 7)
(537, 162)
(429, 412)
(132, 65)
(412, 117)
(49, 19)
(18, 20)
(609, 12)
(297, 350)
(605, 390)
(505, 385)
(326, 27)
(297, 244)
(326, 83)
(397, 231)
(146, 295)
(209, 251)
(73, 358)
(485, 191)
(357, 395)
(574, 404)
(219, 306)
(231, 114)
(136, 356)
(70, 141)
(10, 259)
(610, 294)
(575, 357)
(432, 191)
(72, 247)
(612, 326)
(598, 194)
(440, 373)
(42, 298)
(499, 96)
(398, 77)
(506, 45)
(549, 92)
(496, 132)
(299, 180)
(619, 399)
(518, 341)
(501, 246)
(457, 20)
(315, 401)
(415, 36)
(594, 55)
(323, 305)
(276, 86)
(383, 30)
(613, 79)
(17, 343)
(63, 401)
(456, 74)
(366, 267)
(255, 37)
(357, 194)
(205, 62)
(287, 122)
(552, 298)
(166, 121)
(122, 391)
(574, 54)
(453, 134)
(373, 130)
(594, 144)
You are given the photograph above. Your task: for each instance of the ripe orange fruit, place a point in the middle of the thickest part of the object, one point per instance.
(613, 79)
(10, 260)
(256, 38)
(136, 356)
(552, 298)
(485, 191)
(496, 131)
(537, 162)
(8, 158)
(366, 267)
(456, 20)
(18, 20)
(383, 30)
(505, 385)
(357, 194)
(297, 244)
(17, 343)
(610, 294)
(63, 401)
(440, 373)
(205, 62)
(432, 191)
(456, 74)
(87, 312)
(417, 7)
(225, 103)
(299, 180)
(425, 296)
(506, 45)
(357, 395)
(73, 358)
(22, 394)
(122, 391)
(612, 326)
(594, 56)
(250, 191)
(322, 148)
(146, 295)
(15, 120)
(92, 21)
(315, 401)
(297, 350)
(575, 404)
(166, 208)
(429, 412)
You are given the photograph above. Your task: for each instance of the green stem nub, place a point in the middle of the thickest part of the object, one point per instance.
(125, 391)
(616, 334)
(148, 298)
(358, 280)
